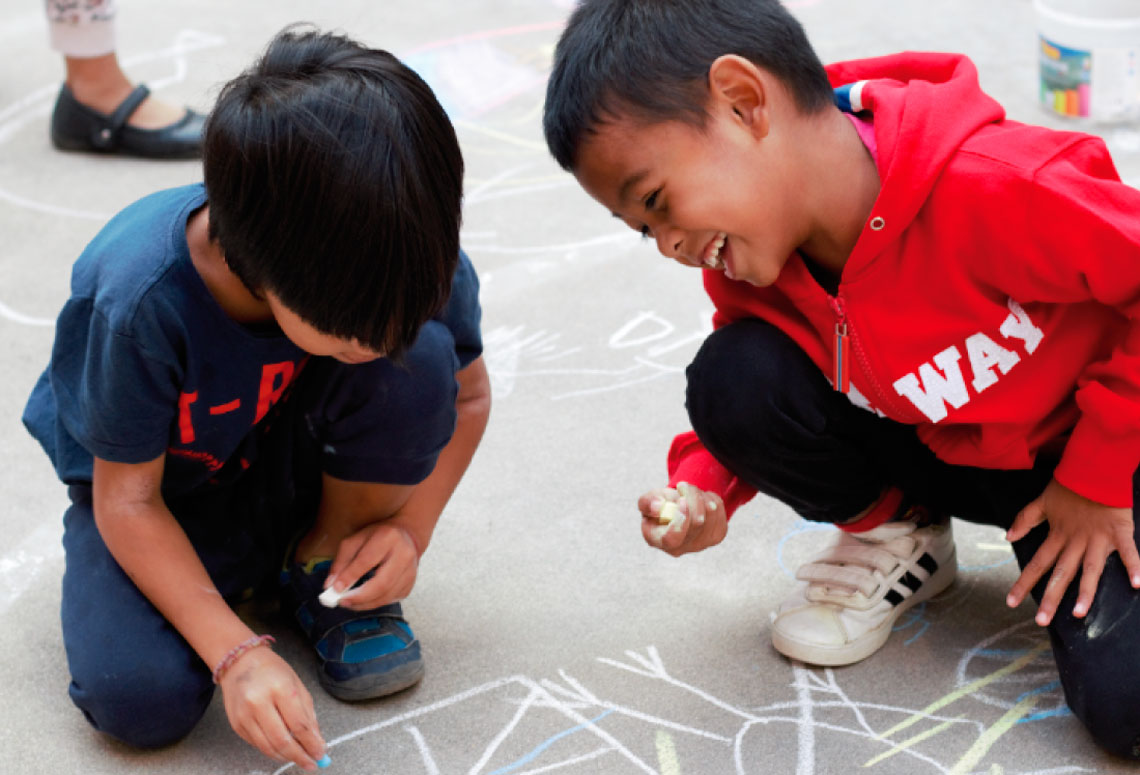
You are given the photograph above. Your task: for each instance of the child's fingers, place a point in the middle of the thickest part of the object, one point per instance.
(1027, 519)
(1126, 548)
(302, 725)
(253, 735)
(277, 731)
(668, 536)
(277, 742)
(651, 502)
(693, 503)
(346, 552)
(1037, 567)
(393, 580)
(1091, 571)
(1064, 570)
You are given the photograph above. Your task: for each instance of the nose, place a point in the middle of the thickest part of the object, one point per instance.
(669, 243)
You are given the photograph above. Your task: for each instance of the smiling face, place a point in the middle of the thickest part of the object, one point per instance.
(315, 342)
(721, 197)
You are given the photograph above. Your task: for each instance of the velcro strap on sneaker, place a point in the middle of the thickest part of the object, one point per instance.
(856, 579)
(867, 556)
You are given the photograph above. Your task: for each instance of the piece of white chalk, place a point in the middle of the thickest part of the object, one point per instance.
(668, 513)
(330, 598)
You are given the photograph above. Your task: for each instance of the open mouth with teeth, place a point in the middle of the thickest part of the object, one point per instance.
(712, 257)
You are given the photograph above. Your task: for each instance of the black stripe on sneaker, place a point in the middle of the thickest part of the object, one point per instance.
(910, 581)
(928, 564)
(893, 597)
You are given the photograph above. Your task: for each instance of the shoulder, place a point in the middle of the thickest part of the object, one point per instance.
(462, 314)
(464, 299)
(134, 254)
(1025, 149)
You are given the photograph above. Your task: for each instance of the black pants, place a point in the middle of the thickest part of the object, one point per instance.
(764, 410)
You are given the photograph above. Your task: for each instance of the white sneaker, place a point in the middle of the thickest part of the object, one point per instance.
(856, 590)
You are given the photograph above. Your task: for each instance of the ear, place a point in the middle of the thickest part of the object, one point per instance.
(739, 86)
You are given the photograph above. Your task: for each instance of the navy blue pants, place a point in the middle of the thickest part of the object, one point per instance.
(132, 674)
(766, 412)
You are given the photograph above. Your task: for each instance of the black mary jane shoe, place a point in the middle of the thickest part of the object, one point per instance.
(76, 127)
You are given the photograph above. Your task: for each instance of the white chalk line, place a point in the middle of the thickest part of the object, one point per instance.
(568, 762)
(805, 749)
(548, 701)
(575, 696)
(8, 313)
(37, 104)
(497, 741)
(425, 753)
(20, 568)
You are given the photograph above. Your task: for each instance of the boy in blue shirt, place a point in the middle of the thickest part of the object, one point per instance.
(274, 377)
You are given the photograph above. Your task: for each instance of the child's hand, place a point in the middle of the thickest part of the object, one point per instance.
(698, 519)
(385, 546)
(1082, 534)
(271, 709)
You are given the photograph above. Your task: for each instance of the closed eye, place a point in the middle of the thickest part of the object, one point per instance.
(651, 200)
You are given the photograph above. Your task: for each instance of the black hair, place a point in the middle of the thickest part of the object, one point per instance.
(650, 60)
(334, 180)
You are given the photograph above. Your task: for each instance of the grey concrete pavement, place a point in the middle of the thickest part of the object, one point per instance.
(556, 640)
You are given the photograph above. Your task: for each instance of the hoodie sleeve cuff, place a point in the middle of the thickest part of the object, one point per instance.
(690, 462)
(1099, 466)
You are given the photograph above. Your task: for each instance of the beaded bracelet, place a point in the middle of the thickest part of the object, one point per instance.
(237, 651)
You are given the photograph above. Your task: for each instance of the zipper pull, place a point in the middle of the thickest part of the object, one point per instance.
(841, 378)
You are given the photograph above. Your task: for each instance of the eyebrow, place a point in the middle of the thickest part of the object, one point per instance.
(630, 182)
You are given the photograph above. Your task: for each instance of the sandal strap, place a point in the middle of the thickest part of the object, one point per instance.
(106, 135)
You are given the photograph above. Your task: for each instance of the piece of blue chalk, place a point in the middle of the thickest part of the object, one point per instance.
(324, 761)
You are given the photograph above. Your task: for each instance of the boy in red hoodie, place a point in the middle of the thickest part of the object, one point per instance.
(922, 309)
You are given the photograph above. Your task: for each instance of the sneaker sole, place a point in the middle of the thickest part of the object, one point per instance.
(873, 640)
(369, 688)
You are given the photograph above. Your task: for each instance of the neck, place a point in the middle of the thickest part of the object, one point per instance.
(845, 185)
(225, 286)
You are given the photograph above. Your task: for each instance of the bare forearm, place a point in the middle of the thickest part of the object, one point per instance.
(153, 550)
(422, 510)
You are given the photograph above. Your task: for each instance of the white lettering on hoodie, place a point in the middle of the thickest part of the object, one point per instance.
(931, 389)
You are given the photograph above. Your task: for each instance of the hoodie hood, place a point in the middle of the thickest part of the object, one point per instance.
(925, 105)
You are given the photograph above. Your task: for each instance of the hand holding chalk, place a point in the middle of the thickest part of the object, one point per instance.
(262, 691)
(683, 519)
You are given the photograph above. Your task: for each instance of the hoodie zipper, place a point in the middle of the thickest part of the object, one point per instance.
(845, 357)
(841, 362)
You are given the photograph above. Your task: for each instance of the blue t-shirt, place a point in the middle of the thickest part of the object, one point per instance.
(147, 363)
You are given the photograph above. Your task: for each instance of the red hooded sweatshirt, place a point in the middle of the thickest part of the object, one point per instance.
(992, 299)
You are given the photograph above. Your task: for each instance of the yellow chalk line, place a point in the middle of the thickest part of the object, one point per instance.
(970, 688)
(911, 741)
(667, 754)
(991, 735)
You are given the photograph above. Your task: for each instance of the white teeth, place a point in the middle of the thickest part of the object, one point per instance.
(713, 260)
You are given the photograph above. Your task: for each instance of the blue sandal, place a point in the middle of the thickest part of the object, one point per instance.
(363, 654)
